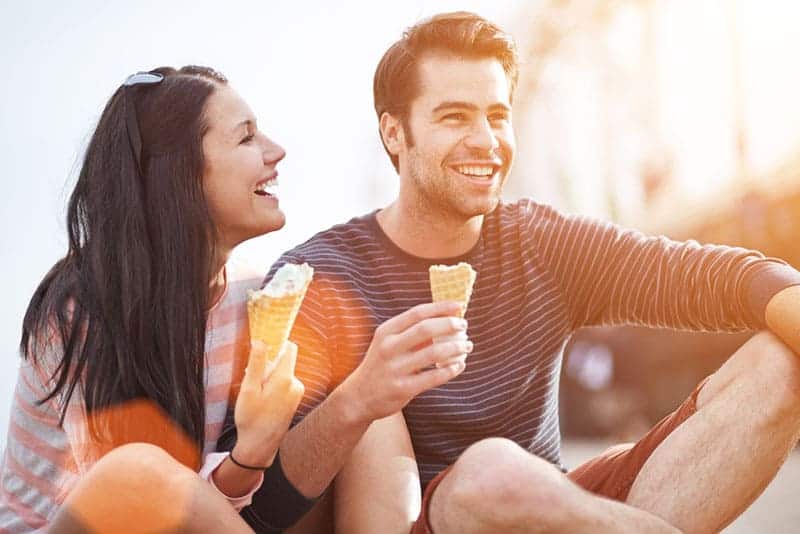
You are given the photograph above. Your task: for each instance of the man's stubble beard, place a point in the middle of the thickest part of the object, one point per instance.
(440, 197)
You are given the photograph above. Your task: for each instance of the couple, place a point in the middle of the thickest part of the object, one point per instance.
(145, 315)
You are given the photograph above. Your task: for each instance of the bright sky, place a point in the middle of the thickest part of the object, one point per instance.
(305, 68)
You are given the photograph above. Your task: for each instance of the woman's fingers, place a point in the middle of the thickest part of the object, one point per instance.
(286, 360)
(256, 365)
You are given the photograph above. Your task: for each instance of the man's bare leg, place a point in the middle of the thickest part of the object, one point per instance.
(139, 488)
(496, 486)
(713, 466)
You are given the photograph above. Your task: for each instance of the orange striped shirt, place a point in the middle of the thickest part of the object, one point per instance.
(43, 460)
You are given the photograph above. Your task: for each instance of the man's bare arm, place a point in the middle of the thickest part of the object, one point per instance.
(782, 315)
(402, 362)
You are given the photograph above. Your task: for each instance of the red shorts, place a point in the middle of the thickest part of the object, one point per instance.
(611, 474)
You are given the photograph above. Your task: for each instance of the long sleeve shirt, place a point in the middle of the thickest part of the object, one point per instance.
(43, 460)
(540, 276)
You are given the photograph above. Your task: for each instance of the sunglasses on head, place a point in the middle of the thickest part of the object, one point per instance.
(132, 121)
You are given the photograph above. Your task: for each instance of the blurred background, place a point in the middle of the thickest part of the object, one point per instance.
(679, 117)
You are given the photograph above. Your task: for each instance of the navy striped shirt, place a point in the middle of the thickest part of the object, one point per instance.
(541, 275)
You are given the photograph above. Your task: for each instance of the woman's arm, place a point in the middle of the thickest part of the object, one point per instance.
(378, 488)
(264, 408)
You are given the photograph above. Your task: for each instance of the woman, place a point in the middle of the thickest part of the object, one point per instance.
(136, 341)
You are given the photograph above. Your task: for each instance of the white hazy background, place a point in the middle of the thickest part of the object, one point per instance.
(305, 68)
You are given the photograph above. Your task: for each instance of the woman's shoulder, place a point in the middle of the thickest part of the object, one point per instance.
(239, 270)
(241, 276)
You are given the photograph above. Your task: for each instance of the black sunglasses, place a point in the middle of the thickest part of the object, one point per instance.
(132, 121)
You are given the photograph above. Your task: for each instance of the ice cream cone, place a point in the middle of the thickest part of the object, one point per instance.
(453, 283)
(271, 312)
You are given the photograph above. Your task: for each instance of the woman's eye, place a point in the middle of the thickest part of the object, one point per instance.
(247, 139)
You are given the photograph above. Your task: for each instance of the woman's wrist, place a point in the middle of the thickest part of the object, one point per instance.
(233, 481)
(249, 467)
(246, 456)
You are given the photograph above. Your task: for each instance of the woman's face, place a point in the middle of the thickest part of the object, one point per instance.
(240, 170)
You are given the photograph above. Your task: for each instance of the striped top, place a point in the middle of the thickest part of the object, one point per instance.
(43, 461)
(541, 275)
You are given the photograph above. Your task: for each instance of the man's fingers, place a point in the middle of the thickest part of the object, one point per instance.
(438, 354)
(436, 377)
(460, 358)
(418, 313)
(424, 331)
(256, 364)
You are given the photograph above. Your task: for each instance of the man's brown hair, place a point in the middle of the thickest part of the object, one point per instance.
(396, 83)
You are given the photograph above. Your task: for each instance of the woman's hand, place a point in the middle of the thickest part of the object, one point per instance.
(267, 400)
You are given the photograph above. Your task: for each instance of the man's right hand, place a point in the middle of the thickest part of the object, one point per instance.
(406, 358)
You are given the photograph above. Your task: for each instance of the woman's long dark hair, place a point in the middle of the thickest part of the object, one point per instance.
(128, 303)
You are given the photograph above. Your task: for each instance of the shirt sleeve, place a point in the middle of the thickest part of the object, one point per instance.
(611, 275)
(764, 281)
(42, 373)
(210, 464)
(43, 459)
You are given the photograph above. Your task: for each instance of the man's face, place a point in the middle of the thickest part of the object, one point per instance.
(462, 140)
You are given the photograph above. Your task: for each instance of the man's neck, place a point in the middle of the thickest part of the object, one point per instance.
(425, 234)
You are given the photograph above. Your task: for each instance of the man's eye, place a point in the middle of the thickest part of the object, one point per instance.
(500, 117)
(454, 117)
(247, 139)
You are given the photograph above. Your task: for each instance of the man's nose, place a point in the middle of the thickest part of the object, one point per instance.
(482, 136)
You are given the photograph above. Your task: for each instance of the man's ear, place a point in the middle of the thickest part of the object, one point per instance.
(392, 133)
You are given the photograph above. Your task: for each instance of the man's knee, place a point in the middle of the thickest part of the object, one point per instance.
(502, 483)
(779, 371)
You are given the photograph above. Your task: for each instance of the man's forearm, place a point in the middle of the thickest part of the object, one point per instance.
(314, 451)
(782, 315)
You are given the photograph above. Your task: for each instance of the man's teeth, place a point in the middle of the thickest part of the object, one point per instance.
(475, 170)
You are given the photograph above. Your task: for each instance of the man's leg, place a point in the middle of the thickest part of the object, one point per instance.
(139, 488)
(496, 486)
(713, 466)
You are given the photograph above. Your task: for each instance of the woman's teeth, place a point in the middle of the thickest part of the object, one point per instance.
(268, 188)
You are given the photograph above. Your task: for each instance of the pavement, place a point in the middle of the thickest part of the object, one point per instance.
(776, 511)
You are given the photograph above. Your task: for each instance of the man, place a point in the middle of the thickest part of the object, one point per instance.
(486, 437)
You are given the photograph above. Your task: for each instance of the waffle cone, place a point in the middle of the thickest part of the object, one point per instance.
(271, 318)
(452, 283)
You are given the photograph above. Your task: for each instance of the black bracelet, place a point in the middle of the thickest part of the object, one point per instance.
(243, 466)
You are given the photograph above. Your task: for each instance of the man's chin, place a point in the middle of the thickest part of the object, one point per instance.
(483, 208)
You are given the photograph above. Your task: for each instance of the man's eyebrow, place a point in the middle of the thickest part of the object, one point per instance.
(500, 107)
(455, 105)
(470, 106)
